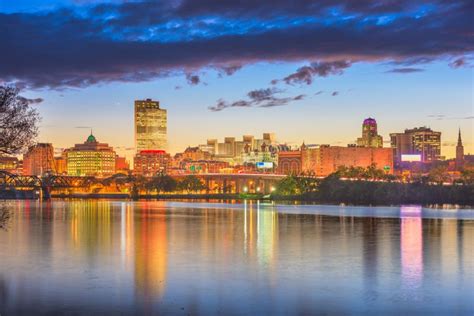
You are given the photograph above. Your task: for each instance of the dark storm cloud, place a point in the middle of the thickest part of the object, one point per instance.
(144, 40)
(264, 98)
(406, 70)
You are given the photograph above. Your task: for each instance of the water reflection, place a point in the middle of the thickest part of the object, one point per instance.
(162, 257)
(411, 247)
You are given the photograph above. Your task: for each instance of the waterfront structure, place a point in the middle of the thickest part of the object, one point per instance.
(9, 164)
(324, 160)
(90, 159)
(459, 152)
(39, 160)
(150, 126)
(370, 136)
(151, 162)
(416, 144)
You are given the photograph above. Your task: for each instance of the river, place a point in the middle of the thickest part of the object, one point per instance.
(242, 258)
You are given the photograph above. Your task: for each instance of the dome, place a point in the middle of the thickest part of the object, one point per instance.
(91, 139)
(370, 121)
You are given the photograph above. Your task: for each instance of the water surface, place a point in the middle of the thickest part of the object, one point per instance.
(108, 257)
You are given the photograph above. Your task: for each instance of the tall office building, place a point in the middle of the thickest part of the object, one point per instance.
(39, 160)
(370, 136)
(459, 152)
(90, 159)
(150, 126)
(422, 143)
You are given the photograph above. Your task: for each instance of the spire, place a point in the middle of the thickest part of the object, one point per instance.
(459, 138)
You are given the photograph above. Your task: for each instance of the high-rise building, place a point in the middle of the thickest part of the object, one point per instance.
(459, 152)
(39, 160)
(90, 159)
(420, 144)
(370, 136)
(150, 126)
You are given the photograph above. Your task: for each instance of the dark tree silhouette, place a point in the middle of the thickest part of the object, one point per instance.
(18, 121)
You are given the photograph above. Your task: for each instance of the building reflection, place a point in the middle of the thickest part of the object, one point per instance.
(151, 249)
(411, 246)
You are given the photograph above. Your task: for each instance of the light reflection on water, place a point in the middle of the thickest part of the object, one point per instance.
(188, 258)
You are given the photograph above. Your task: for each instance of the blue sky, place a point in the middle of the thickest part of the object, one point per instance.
(89, 61)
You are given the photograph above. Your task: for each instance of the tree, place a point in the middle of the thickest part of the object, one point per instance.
(163, 183)
(18, 122)
(287, 186)
(192, 183)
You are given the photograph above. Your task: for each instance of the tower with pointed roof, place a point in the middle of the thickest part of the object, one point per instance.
(459, 152)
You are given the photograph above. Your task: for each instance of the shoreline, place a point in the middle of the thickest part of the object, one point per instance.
(235, 197)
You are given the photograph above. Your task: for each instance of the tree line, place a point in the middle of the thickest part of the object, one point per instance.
(373, 187)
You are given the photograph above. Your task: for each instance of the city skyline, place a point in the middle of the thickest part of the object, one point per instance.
(216, 74)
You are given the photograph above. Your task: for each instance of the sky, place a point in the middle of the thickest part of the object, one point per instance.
(306, 70)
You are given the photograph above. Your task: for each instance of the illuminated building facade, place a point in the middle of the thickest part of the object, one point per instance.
(420, 141)
(325, 159)
(121, 165)
(370, 136)
(290, 162)
(150, 126)
(39, 160)
(204, 166)
(60, 164)
(151, 162)
(90, 159)
(239, 151)
(9, 164)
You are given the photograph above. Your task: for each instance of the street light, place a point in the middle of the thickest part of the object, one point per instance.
(246, 189)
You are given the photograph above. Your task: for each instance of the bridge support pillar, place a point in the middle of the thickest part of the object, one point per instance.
(46, 192)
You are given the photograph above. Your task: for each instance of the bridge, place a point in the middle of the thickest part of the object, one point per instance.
(214, 182)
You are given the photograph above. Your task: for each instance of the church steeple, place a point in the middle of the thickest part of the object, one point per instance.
(459, 152)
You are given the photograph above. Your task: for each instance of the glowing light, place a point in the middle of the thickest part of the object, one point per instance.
(246, 189)
(258, 189)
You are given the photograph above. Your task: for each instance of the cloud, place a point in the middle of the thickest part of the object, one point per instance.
(319, 92)
(305, 74)
(405, 70)
(459, 62)
(228, 70)
(264, 98)
(144, 40)
(335, 93)
(193, 79)
(30, 101)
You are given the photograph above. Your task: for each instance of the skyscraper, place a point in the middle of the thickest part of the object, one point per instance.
(459, 152)
(150, 126)
(370, 136)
